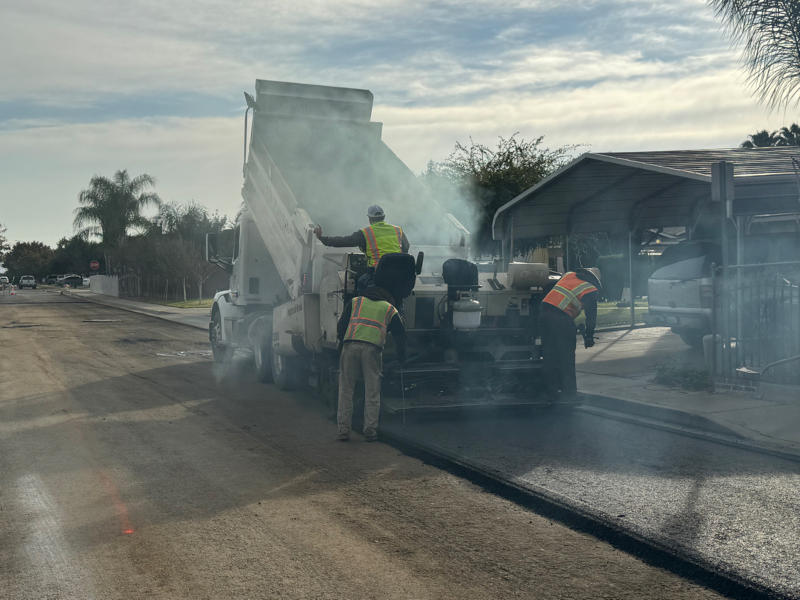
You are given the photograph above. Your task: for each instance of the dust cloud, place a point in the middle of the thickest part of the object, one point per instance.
(334, 161)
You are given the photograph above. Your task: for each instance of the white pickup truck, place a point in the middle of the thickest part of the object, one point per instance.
(27, 281)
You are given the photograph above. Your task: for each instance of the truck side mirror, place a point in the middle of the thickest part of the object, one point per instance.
(214, 243)
(420, 260)
(211, 246)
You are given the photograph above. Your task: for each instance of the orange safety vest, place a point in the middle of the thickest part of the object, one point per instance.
(382, 238)
(567, 293)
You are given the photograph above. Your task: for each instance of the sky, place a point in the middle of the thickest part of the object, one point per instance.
(156, 87)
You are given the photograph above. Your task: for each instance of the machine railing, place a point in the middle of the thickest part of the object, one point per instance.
(756, 323)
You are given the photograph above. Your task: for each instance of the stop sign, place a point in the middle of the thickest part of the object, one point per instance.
(94, 265)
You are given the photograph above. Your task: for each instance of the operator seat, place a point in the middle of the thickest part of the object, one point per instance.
(396, 273)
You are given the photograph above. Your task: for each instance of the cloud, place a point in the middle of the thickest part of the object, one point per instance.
(43, 169)
(155, 86)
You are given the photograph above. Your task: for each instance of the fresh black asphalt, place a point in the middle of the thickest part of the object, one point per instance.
(734, 510)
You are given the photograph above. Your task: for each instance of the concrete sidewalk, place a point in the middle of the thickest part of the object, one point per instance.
(616, 375)
(192, 317)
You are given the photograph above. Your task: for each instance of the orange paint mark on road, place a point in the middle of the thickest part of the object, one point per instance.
(119, 506)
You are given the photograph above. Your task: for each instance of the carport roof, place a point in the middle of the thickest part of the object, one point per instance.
(619, 191)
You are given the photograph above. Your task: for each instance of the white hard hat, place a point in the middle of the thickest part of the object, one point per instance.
(375, 212)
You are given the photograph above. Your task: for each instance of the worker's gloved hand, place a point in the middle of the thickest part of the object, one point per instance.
(588, 341)
(318, 231)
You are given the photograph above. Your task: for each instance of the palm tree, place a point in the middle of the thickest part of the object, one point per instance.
(761, 139)
(110, 207)
(789, 136)
(770, 33)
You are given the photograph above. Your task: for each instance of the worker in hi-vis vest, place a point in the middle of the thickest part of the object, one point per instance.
(575, 292)
(377, 239)
(365, 322)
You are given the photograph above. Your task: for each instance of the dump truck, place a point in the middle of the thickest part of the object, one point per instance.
(315, 157)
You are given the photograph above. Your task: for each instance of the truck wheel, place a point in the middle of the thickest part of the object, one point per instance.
(221, 352)
(284, 371)
(262, 357)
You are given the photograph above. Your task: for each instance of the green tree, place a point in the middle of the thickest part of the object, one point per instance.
(189, 222)
(785, 136)
(769, 31)
(28, 258)
(73, 255)
(112, 207)
(491, 177)
(789, 136)
(4, 247)
(761, 139)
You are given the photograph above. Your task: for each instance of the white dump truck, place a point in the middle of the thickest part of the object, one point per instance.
(315, 157)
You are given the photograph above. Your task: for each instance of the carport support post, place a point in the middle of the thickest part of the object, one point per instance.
(630, 277)
(722, 188)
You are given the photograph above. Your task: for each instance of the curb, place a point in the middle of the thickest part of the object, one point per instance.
(132, 309)
(681, 422)
(659, 413)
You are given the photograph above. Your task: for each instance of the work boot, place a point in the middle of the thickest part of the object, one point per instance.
(370, 435)
(343, 436)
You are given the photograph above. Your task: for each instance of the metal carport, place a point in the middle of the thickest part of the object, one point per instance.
(620, 192)
(625, 192)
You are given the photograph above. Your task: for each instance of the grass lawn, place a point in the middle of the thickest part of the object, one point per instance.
(609, 314)
(205, 303)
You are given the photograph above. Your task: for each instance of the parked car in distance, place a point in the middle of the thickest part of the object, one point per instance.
(680, 293)
(27, 281)
(51, 279)
(71, 281)
(3, 280)
(86, 281)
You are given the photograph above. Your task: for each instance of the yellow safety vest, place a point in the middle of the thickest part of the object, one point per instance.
(369, 321)
(382, 238)
(567, 293)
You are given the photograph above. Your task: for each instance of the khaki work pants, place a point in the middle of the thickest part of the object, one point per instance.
(360, 360)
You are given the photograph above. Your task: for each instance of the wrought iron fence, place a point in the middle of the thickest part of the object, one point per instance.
(756, 322)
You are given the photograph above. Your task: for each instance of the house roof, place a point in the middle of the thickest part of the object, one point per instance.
(618, 191)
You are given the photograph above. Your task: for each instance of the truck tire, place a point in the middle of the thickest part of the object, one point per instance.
(222, 353)
(262, 358)
(284, 371)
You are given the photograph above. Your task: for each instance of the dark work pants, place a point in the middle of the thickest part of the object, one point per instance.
(558, 349)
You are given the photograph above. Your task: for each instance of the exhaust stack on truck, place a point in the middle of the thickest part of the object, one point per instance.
(315, 157)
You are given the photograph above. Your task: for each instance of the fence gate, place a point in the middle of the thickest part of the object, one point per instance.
(756, 322)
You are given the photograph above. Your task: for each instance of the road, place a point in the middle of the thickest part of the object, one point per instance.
(131, 468)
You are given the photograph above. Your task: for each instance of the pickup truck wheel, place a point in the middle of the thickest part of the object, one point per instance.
(221, 352)
(262, 357)
(284, 371)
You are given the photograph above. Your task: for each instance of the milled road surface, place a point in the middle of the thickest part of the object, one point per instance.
(127, 470)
